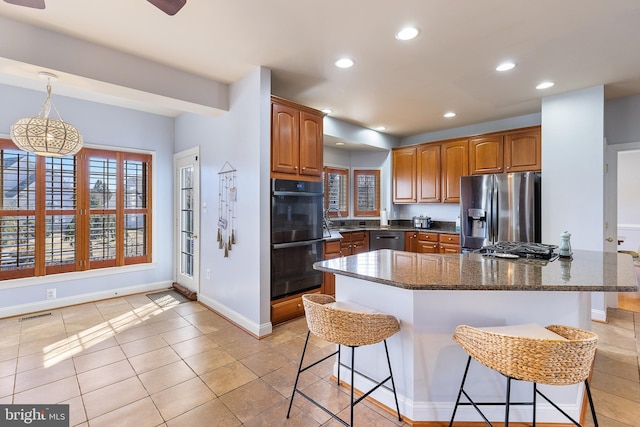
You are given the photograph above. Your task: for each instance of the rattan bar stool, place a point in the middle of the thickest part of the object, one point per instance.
(350, 325)
(553, 355)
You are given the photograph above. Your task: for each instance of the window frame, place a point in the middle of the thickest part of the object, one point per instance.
(82, 213)
(356, 191)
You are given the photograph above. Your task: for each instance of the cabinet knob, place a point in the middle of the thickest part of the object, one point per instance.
(508, 167)
(303, 168)
(295, 167)
(299, 305)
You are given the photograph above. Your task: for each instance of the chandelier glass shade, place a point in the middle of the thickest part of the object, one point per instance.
(46, 136)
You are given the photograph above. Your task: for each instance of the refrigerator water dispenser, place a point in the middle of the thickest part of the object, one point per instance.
(477, 220)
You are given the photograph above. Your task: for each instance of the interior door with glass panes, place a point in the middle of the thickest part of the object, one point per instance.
(187, 215)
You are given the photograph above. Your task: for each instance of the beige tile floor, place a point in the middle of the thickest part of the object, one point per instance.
(130, 362)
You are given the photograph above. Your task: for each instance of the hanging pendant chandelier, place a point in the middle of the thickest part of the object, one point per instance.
(45, 136)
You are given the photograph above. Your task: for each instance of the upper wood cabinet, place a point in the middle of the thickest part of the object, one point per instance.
(455, 163)
(486, 154)
(517, 151)
(523, 151)
(428, 173)
(296, 141)
(404, 175)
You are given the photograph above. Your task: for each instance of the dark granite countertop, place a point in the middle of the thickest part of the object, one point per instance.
(587, 271)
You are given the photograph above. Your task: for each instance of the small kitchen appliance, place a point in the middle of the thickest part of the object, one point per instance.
(421, 222)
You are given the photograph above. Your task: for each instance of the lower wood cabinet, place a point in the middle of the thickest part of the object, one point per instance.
(354, 242)
(449, 243)
(288, 308)
(427, 243)
(431, 243)
(331, 250)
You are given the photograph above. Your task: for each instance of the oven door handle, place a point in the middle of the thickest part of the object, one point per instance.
(296, 193)
(294, 244)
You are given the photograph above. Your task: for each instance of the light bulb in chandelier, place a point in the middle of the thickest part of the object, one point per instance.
(45, 136)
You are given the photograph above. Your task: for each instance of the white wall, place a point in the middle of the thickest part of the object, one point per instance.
(573, 168)
(239, 286)
(573, 173)
(115, 127)
(629, 199)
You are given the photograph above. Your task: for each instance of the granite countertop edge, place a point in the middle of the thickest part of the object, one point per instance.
(408, 283)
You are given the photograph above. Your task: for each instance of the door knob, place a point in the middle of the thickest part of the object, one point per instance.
(194, 236)
(609, 239)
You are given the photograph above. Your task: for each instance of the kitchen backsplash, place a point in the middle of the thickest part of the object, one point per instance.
(436, 211)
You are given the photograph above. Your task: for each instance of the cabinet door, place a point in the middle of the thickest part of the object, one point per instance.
(523, 151)
(310, 144)
(345, 244)
(410, 241)
(404, 175)
(429, 173)
(359, 242)
(285, 126)
(486, 155)
(455, 163)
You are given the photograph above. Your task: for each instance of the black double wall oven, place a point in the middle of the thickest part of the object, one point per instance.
(296, 236)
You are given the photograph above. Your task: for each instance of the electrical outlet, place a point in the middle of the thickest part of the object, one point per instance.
(208, 273)
(51, 293)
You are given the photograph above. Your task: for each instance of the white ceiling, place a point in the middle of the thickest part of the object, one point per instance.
(406, 86)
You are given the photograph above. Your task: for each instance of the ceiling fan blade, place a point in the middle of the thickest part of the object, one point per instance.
(170, 7)
(36, 4)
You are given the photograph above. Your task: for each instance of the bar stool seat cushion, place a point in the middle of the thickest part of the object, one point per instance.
(528, 330)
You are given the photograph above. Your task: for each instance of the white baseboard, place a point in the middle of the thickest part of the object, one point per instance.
(259, 330)
(598, 315)
(80, 299)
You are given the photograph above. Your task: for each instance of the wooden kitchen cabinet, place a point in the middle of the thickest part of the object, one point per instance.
(288, 308)
(296, 141)
(403, 169)
(516, 151)
(354, 242)
(427, 243)
(455, 163)
(332, 249)
(523, 150)
(486, 155)
(429, 173)
(411, 241)
(449, 243)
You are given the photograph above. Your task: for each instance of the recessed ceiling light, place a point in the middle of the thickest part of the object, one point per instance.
(344, 63)
(327, 110)
(505, 66)
(339, 143)
(407, 33)
(545, 85)
(450, 114)
(381, 128)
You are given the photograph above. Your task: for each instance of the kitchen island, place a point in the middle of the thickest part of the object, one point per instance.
(431, 294)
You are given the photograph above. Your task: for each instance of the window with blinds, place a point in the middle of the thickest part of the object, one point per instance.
(72, 213)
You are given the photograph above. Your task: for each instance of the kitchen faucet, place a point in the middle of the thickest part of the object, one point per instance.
(327, 221)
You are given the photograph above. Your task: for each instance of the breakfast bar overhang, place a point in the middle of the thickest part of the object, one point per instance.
(431, 294)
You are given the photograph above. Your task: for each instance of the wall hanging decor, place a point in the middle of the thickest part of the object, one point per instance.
(227, 196)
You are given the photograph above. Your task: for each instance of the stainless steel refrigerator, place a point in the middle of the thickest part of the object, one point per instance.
(498, 208)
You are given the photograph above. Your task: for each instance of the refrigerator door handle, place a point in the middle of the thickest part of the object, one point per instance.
(493, 228)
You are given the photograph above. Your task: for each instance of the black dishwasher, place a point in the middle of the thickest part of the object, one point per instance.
(386, 239)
